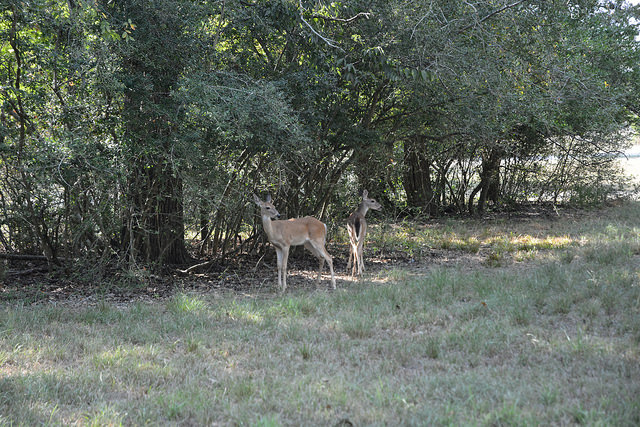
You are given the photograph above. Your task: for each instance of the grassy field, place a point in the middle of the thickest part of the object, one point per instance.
(522, 321)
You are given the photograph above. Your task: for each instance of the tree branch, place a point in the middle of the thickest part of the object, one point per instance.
(492, 14)
(326, 40)
(347, 20)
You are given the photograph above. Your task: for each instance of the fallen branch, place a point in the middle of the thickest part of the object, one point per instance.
(23, 257)
(41, 269)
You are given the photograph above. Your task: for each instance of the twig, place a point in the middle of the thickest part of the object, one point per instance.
(258, 263)
(198, 266)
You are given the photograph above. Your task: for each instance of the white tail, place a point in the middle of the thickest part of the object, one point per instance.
(357, 229)
(282, 234)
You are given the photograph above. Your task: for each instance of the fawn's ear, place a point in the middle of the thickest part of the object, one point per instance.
(257, 200)
(268, 199)
(365, 194)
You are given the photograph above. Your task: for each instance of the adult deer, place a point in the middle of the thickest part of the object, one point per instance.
(357, 228)
(283, 234)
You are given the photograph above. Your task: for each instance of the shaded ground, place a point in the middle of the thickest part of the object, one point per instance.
(248, 275)
(24, 282)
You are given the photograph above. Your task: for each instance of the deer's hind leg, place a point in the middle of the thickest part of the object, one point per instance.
(353, 254)
(321, 253)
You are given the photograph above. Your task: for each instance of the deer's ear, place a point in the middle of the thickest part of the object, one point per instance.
(257, 200)
(365, 194)
(268, 198)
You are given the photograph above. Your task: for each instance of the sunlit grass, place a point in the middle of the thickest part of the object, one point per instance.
(463, 243)
(514, 243)
(500, 241)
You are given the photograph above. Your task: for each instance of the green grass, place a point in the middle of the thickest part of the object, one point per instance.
(552, 338)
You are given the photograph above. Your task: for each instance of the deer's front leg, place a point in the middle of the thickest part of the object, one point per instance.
(285, 258)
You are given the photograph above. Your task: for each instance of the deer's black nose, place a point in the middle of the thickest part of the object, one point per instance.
(278, 216)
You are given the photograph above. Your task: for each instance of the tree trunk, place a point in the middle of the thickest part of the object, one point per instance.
(156, 228)
(489, 186)
(417, 177)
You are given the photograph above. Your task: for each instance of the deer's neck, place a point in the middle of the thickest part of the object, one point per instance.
(362, 210)
(267, 225)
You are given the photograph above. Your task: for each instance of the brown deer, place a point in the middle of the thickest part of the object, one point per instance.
(283, 234)
(357, 229)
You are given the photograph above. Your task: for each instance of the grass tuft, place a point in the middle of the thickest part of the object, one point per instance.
(183, 303)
